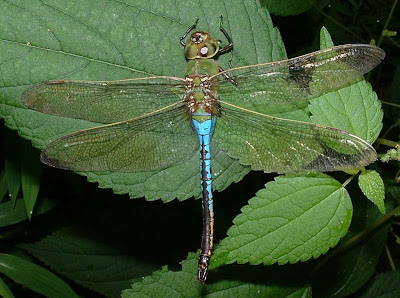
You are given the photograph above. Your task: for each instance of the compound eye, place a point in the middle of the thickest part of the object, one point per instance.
(191, 52)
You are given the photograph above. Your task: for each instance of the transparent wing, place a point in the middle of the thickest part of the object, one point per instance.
(151, 142)
(104, 101)
(279, 145)
(284, 85)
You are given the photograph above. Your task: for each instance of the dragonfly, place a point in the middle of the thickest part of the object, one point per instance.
(152, 123)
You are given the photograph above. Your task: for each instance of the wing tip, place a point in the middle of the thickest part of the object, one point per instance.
(29, 96)
(371, 155)
(32, 96)
(55, 163)
(380, 52)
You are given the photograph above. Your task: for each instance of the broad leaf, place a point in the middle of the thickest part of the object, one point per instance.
(293, 219)
(119, 46)
(354, 108)
(167, 283)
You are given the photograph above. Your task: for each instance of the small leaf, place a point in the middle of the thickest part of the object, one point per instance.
(325, 39)
(34, 277)
(392, 154)
(397, 239)
(373, 188)
(5, 291)
(293, 219)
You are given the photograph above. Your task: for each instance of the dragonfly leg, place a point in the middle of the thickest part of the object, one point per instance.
(230, 45)
(187, 32)
(233, 79)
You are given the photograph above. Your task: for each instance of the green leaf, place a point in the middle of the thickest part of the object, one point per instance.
(122, 47)
(31, 170)
(384, 285)
(293, 219)
(372, 186)
(325, 39)
(101, 252)
(5, 291)
(118, 47)
(11, 214)
(167, 283)
(391, 154)
(34, 277)
(354, 108)
(288, 7)
(99, 266)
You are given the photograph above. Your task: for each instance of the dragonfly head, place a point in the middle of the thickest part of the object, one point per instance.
(201, 46)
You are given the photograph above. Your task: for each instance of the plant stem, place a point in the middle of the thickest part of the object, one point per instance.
(390, 258)
(390, 104)
(348, 180)
(388, 143)
(389, 18)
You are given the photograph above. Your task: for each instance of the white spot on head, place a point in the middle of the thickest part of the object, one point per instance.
(204, 50)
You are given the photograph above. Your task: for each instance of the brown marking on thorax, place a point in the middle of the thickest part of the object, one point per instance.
(199, 94)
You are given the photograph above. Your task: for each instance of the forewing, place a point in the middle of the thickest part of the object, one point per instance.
(151, 142)
(286, 85)
(104, 101)
(279, 145)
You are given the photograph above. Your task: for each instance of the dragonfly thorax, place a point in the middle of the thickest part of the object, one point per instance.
(201, 46)
(200, 96)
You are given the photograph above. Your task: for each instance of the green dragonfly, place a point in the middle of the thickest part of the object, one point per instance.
(152, 123)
